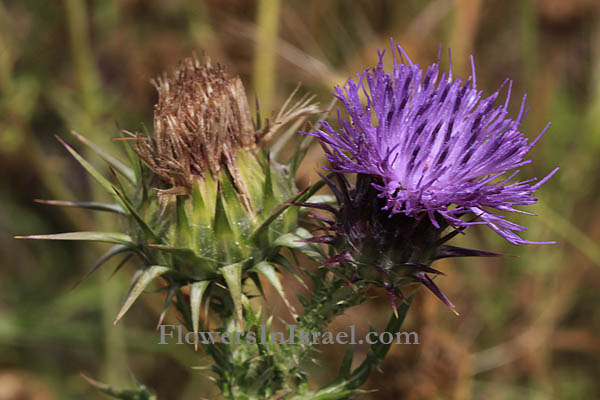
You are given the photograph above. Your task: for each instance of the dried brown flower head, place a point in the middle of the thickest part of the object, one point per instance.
(202, 117)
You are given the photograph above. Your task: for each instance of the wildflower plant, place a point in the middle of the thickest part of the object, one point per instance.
(209, 209)
(427, 152)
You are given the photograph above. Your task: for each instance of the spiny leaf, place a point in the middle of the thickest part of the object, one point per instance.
(346, 366)
(184, 235)
(233, 277)
(107, 237)
(147, 276)
(429, 284)
(110, 160)
(113, 251)
(138, 218)
(295, 241)
(133, 159)
(91, 170)
(335, 395)
(90, 205)
(239, 220)
(322, 199)
(226, 249)
(277, 212)
(250, 171)
(123, 185)
(285, 263)
(446, 251)
(169, 296)
(121, 264)
(201, 264)
(201, 213)
(311, 190)
(268, 199)
(128, 394)
(208, 189)
(253, 275)
(268, 271)
(197, 290)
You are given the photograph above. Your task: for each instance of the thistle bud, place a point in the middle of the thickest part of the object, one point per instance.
(429, 152)
(201, 120)
(207, 206)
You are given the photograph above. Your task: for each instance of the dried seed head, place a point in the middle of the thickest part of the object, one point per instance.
(202, 117)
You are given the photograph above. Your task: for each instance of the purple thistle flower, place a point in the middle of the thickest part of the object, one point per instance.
(433, 145)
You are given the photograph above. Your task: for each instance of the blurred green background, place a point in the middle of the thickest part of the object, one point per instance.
(529, 325)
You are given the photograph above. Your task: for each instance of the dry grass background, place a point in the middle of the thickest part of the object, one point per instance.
(529, 325)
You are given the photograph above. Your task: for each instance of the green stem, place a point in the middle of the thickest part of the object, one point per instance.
(347, 384)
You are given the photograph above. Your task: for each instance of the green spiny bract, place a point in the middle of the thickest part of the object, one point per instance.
(371, 246)
(206, 206)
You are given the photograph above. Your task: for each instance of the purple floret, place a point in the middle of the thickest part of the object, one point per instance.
(433, 144)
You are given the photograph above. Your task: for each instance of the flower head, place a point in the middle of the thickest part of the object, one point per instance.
(433, 144)
(200, 121)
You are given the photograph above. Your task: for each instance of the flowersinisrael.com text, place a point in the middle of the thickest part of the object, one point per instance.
(176, 334)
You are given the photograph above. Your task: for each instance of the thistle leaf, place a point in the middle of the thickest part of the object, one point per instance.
(203, 267)
(237, 216)
(346, 366)
(262, 227)
(142, 393)
(202, 215)
(138, 218)
(249, 169)
(268, 200)
(208, 190)
(197, 290)
(133, 158)
(142, 281)
(268, 271)
(110, 160)
(106, 237)
(90, 205)
(447, 251)
(184, 234)
(113, 251)
(233, 277)
(296, 241)
(285, 263)
(323, 199)
(91, 170)
(428, 282)
(169, 296)
(253, 275)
